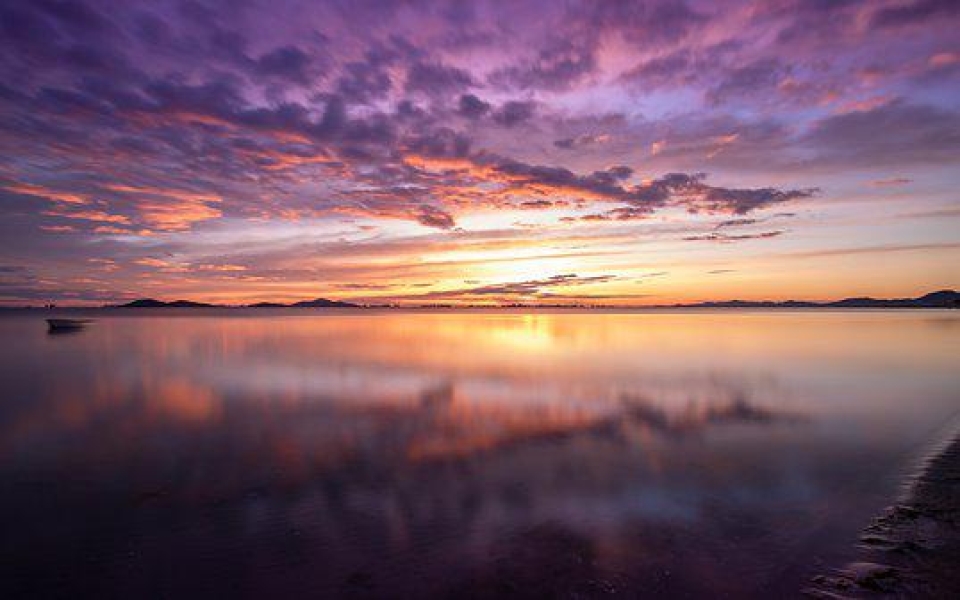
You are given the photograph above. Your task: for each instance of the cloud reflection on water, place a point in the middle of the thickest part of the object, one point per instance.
(418, 454)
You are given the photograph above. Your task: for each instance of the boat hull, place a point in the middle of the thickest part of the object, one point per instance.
(66, 324)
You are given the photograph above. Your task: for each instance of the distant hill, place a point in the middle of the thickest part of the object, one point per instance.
(151, 303)
(316, 303)
(322, 303)
(941, 299)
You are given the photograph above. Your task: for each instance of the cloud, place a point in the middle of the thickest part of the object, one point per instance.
(47, 193)
(623, 213)
(177, 120)
(878, 249)
(437, 79)
(472, 107)
(97, 216)
(944, 59)
(581, 140)
(514, 113)
(725, 238)
(893, 134)
(289, 62)
(913, 12)
(660, 71)
(645, 23)
(736, 223)
(689, 190)
(891, 182)
(169, 209)
(561, 65)
(694, 66)
(533, 287)
(443, 142)
(743, 201)
(604, 184)
(364, 81)
(537, 204)
(652, 275)
(432, 216)
(758, 77)
(152, 262)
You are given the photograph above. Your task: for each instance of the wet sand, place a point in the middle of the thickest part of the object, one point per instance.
(913, 549)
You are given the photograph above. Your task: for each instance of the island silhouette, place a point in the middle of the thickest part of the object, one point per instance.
(152, 303)
(938, 299)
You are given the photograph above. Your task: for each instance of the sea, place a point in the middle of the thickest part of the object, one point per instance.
(368, 453)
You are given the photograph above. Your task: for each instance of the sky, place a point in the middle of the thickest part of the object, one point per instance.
(415, 152)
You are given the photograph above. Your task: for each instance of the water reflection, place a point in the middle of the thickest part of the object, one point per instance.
(484, 454)
(51, 332)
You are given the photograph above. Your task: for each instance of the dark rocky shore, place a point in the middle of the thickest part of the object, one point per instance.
(913, 550)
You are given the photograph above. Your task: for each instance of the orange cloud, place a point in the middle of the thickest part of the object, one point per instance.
(222, 268)
(722, 141)
(170, 209)
(168, 193)
(43, 192)
(88, 215)
(892, 182)
(944, 59)
(864, 105)
(152, 262)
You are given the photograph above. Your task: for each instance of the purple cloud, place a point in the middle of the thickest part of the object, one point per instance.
(152, 120)
(514, 113)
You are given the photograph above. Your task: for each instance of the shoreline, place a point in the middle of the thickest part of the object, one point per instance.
(173, 310)
(913, 548)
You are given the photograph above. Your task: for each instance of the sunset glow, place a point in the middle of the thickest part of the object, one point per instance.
(482, 153)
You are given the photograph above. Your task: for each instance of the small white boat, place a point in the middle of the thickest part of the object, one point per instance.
(67, 324)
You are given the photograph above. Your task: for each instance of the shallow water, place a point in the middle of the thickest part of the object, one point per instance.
(387, 454)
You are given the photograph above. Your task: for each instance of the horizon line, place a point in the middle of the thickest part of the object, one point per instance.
(715, 303)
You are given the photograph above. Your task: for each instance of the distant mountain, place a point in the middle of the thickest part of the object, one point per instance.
(751, 304)
(322, 303)
(316, 303)
(151, 303)
(941, 299)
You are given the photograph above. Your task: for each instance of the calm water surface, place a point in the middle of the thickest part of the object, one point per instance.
(411, 454)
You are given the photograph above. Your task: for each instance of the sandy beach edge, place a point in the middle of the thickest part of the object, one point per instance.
(912, 550)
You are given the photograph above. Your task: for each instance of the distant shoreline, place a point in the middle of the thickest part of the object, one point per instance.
(913, 549)
(949, 299)
(504, 309)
